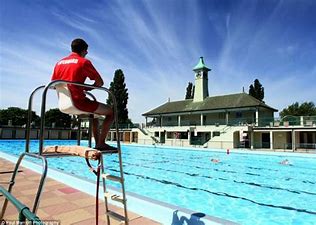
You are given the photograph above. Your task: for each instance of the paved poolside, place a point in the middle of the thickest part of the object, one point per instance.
(59, 201)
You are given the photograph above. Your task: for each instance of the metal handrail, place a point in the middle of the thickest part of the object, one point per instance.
(52, 84)
(24, 211)
(40, 186)
(30, 103)
(29, 118)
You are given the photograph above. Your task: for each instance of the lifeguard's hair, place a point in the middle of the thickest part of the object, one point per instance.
(78, 45)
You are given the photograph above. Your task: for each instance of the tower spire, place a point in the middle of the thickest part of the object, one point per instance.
(201, 65)
(201, 81)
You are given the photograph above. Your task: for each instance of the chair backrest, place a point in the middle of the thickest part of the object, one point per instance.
(65, 103)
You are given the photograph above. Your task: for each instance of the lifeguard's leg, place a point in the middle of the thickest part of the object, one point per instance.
(107, 111)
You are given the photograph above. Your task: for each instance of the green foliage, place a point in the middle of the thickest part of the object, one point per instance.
(256, 90)
(190, 91)
(305, 109)
(17, 115)
(118, 88)
(60, 119)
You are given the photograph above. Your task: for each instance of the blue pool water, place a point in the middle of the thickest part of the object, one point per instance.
(245, 188)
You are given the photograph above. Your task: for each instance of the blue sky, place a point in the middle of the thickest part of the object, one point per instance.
(157, 43)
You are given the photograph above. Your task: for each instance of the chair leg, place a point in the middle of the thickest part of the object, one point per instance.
(90, 130)
(79, 131)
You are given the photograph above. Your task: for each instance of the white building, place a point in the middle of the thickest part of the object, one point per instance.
(226, 121)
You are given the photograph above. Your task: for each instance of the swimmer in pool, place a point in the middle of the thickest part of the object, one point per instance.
(215, 160)
(285, 162)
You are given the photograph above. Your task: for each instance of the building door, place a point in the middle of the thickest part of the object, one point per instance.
(135, 137)
(265, 139)
(127, 136)
(204, 120)
(163, 137)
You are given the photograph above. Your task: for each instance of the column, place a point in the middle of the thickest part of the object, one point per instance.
(251, 139)
(271, 140)
(146, 121)
(179, 120)
(257, 117)
(302, 120)
(293, 140)
(227, 115)
(201, 119)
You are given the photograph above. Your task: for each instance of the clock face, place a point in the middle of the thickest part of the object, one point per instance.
(198, 74)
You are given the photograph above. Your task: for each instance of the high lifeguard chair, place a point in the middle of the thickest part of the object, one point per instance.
(66, 106)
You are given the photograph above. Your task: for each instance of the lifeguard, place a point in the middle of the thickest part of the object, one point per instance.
(76, 68)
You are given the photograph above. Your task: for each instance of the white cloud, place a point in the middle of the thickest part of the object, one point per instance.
(287, 50)
(156, 44)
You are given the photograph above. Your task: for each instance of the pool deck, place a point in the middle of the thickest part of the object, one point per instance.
(59, 202)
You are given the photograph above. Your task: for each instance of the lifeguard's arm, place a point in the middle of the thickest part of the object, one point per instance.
(93, 74)
(98, 82)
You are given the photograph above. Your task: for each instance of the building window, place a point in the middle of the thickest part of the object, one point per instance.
(216, 133)
(238, 114)
(170, 135)
(221, 116)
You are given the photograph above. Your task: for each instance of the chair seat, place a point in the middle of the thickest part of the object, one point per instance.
(65, 103)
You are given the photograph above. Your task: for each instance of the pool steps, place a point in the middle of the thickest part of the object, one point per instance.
(116, 216)
(111, 177)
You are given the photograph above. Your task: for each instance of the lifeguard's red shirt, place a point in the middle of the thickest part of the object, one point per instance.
(76, 69)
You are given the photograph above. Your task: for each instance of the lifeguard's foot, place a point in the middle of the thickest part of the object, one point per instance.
(106, 147)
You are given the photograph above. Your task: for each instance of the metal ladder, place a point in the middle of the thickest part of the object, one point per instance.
(110, 196)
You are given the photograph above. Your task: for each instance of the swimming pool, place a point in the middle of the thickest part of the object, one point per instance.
(245, 188)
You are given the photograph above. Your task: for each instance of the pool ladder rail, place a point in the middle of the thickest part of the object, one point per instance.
(61, 87)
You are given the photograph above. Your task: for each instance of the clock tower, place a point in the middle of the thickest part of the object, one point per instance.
(201, 81)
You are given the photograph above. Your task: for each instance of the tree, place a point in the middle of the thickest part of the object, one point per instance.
(17, 116)
(55, 116)
(256, 90)
(305, 109)
(118, 88)
(190, 91)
